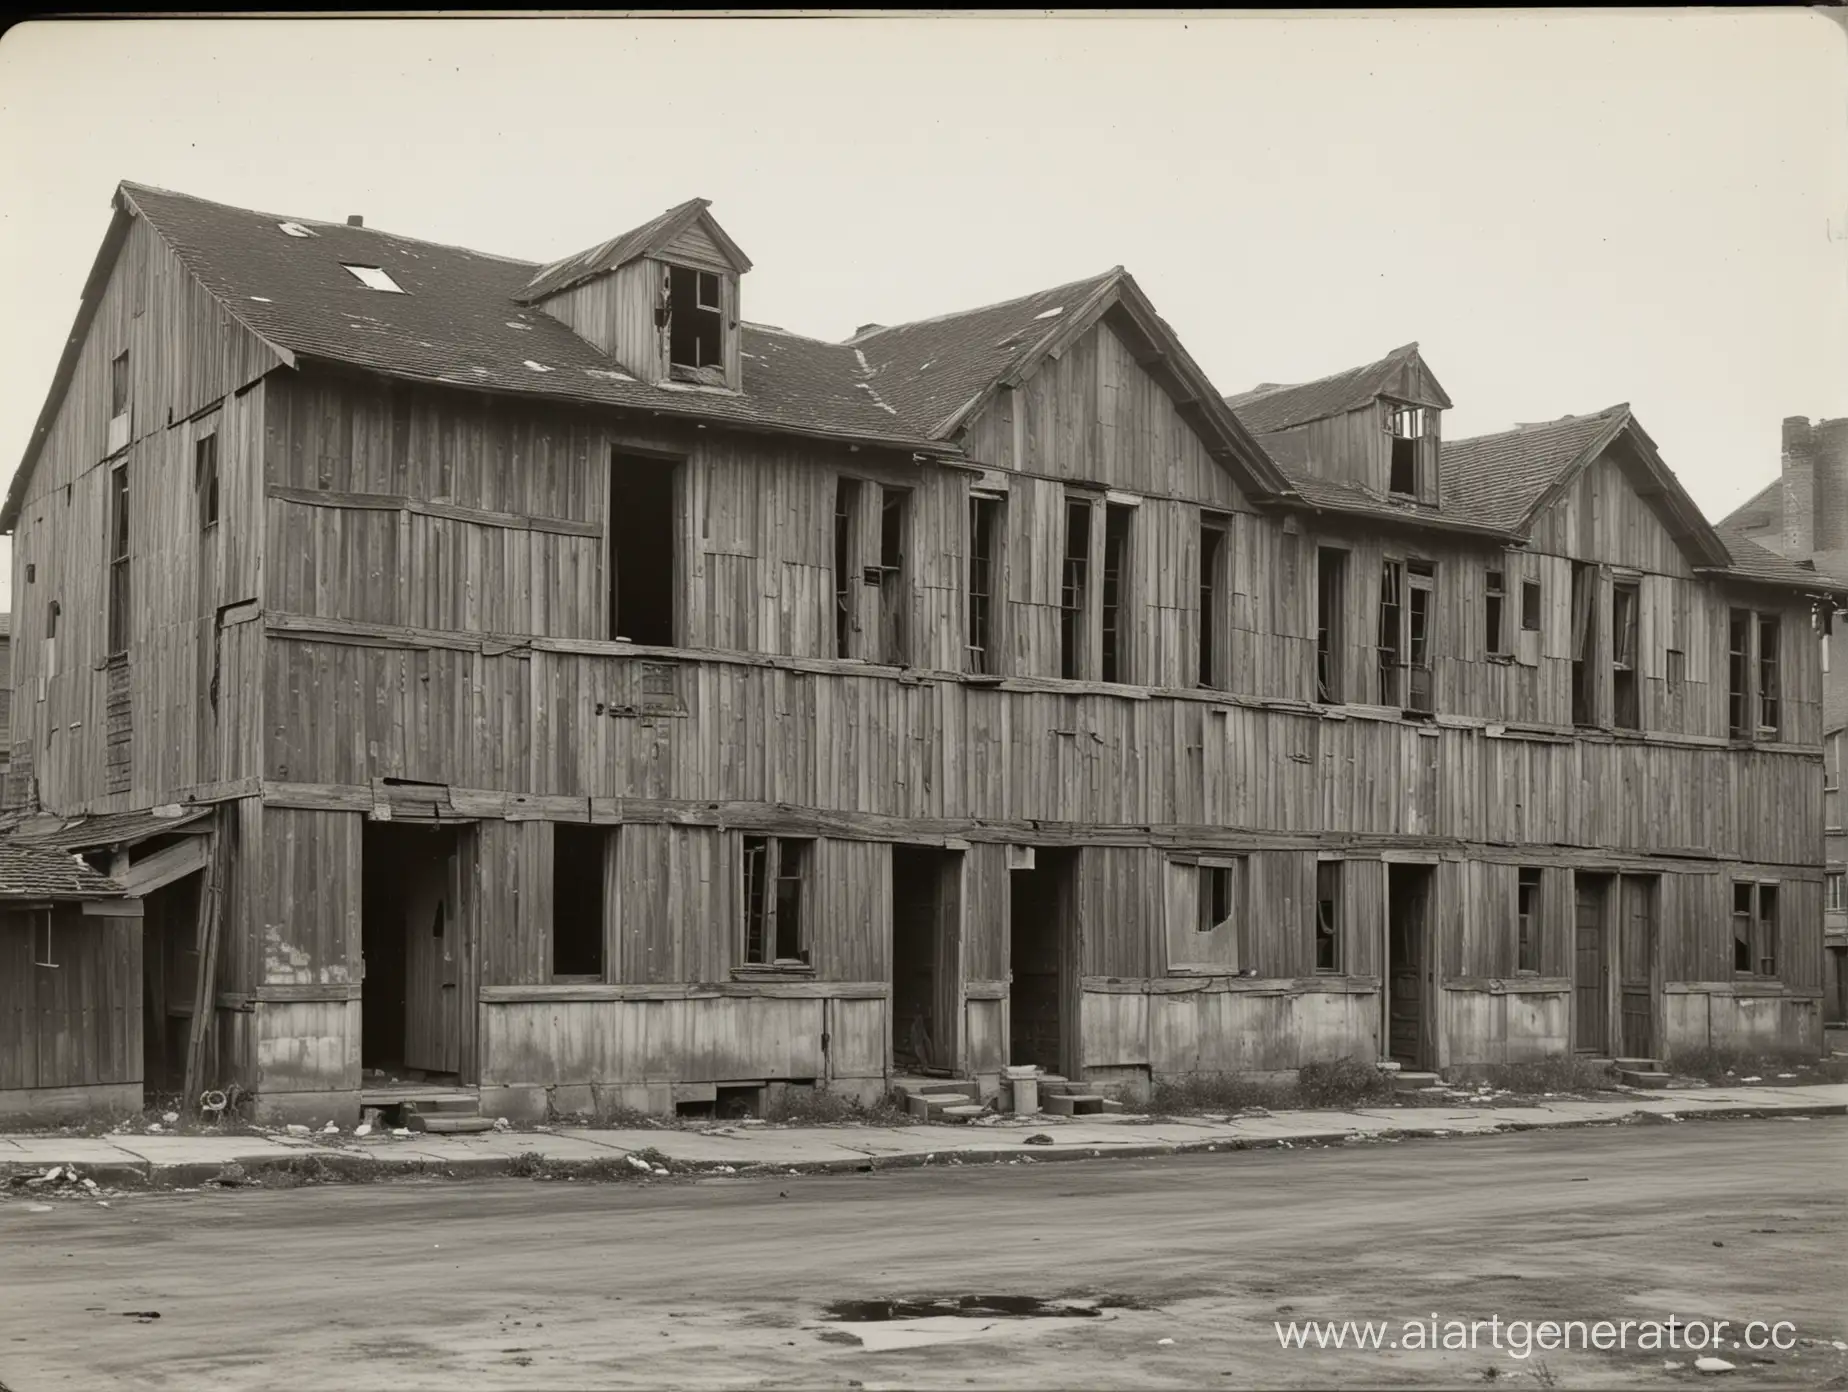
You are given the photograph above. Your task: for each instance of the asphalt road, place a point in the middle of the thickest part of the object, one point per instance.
(722, 1283)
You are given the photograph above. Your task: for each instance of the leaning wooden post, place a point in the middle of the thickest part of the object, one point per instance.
(205, 990)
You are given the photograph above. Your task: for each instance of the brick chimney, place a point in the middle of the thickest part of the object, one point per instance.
(355, 220)
(1799, 487)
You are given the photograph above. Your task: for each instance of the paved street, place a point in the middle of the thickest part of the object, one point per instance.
(725, 1282)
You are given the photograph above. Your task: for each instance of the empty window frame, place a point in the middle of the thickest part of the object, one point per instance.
(1074, 588)
(1530, 606)
(775, 928)
(1218, 895)
(1405, 425)
(48, 648)
(1527, 923)
(1832, 891)
(1391, 632)
(374, 278)
(1420, 615)
(1626, 702)
(894, 578)
(1832, 782)
(1584, 643)
(1215, 551)
(985, 518)
(1494, 613)
(696, 320)
(1330, 622)
(846, 564)
(1328, 954)
(1675, 670)
(1754, 924)
(1754, 685)
(1116, 598)
(580, 869)
(643, 537)
(118, 560)
(205, 479)
(42, 950)
(118, 385)
(1215, 936)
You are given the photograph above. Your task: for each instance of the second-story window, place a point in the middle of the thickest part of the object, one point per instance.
(1832, 782)
(985, 514)
(1584, 644)
(1494, 614)
(1405, 425)
(1626, 704)
(1330, 623)
(894, 576)
(846, 565)
(118, 561)
(1117, 632)
(696, 323)
(1215, 551)
(1754, 680)
(205, 479)
(643, 535)
(1074, 588)
(1407, 613)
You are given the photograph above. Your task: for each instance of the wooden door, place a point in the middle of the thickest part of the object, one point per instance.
(1590, 1001)
(1406, 965)
(433, 934)
(1635, 967)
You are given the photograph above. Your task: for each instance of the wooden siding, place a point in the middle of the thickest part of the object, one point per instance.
(77, 1024)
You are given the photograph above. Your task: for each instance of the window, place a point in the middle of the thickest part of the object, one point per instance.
(846, 566)
(1527, 923)
(984, 580)
(48, 649)
(1391, 639)
(1215, 896)
(1584, 644)
(41, 939)
(1330, 611)
(1406, 426)
(1214, 548)
(775, 933)
(117, 440)
(1754, 921)
(1421, 596)
(1675, 670)
(1626, 600)
(1116, 635)
(1832, 782)
(1494, 626)
(1833, 899)
(696, 324)
(894, 581)
(205, 479)
(1073, 587)
(579, 869)
(1754, 685)
(1328, 915)
(374, 278)
(118, 560)
(643, 534)
(1530, 606)
(1208, 915)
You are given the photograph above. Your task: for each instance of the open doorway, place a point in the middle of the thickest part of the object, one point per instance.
(1409, 1003)
(1042, 953)
(170, 980)
(413, 954)
(642, 534)
(1591, 1016)
(926, 951)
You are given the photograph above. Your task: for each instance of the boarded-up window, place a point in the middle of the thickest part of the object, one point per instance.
(776, 930)
(580, 873)
(1527, 922)
(1328, 943)
(985, 514)
(1208, 914)
(118, 560)
(1626, 602)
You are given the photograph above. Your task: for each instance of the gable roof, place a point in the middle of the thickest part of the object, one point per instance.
(40, 872)
(1499, 479)
(1273, 406)
(1765, 508)
(641, 241)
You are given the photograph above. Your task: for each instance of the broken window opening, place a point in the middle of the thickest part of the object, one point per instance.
(118, 385)
(1527, 923)
(643, 537)
(580, 867)
(1626, 600)
(1390, 636)
(775, 933)
(695, 321)
(1116, 663)
(205, 479)
(1213, 549)
(1768, 684)
(1072, 587)
(374, 278)
(984, 570)
(1675, 669)
(41, 939)
(894, 587)
(1584, 644)
(1328, 916)
(1739, 674)
(846, 524)
(1530, 606)
(1405, 424)
(1495, 636)
(118, 561)
(1330, 609)
(1215, 896)
(1421, 583)
(1745, 904)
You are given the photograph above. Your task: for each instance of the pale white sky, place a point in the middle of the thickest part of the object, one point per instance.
(1566, 210)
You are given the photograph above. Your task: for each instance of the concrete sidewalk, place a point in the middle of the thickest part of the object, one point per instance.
(178, 1161)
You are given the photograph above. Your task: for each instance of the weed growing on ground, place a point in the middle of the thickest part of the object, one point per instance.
(1561, 1075)
(819, 1107)
(1340, 1083)
(1731, 1067)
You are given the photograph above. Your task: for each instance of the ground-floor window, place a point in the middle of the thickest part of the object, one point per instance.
(776, 931)
(1754, 925)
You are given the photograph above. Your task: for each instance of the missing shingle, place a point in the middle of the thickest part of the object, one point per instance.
(374, 278)
(295, 229)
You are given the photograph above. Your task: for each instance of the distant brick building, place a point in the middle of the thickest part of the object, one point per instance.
(1802, 514)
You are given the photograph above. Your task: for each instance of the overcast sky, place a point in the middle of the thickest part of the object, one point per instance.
(1565, 210)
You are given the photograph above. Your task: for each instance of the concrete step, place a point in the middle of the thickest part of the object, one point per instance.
(1642, 1078)
(440, 1125)
(1072, 1103)
(967, 1112)
(966, 1088)
(926, 1106)
(1638, 1065)
(1403, 1081)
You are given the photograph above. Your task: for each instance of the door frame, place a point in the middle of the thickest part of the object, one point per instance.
(950, 928)
(1655, 1043)
(1610, 923)
(1069, 908)
(1429, 1035)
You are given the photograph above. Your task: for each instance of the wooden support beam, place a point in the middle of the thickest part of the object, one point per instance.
(210, 917)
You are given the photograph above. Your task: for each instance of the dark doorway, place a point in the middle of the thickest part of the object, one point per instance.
(170, 980)
(926, 951)
(1636, 936)
(1591, 1018)
(1408, 965)
(412, 944)
(1042, 952)
(642, 533)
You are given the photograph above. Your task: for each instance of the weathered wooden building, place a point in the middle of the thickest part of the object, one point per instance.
(599, 695)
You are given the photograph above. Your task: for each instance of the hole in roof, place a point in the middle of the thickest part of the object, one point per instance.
(523, 328)
(374, 278)
(537, 367)
(295, 229)
(1052, 313)
(261, 299)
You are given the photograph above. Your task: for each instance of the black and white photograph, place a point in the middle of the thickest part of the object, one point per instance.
(879, 700)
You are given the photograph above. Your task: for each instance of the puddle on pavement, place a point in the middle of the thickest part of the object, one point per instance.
(881, 1325)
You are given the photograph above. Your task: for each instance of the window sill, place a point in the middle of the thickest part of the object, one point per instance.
(780, 971)
(1505, 659)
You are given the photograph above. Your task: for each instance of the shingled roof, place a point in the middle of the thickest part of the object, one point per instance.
(1497, 479)
(37, 872)
(1274, 407)
(619, 251)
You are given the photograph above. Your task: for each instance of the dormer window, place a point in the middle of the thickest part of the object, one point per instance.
(374, 278)
(1406, 426)
(696, 323)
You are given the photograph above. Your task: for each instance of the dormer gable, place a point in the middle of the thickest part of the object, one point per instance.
(661, 299)
(1378, 426)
